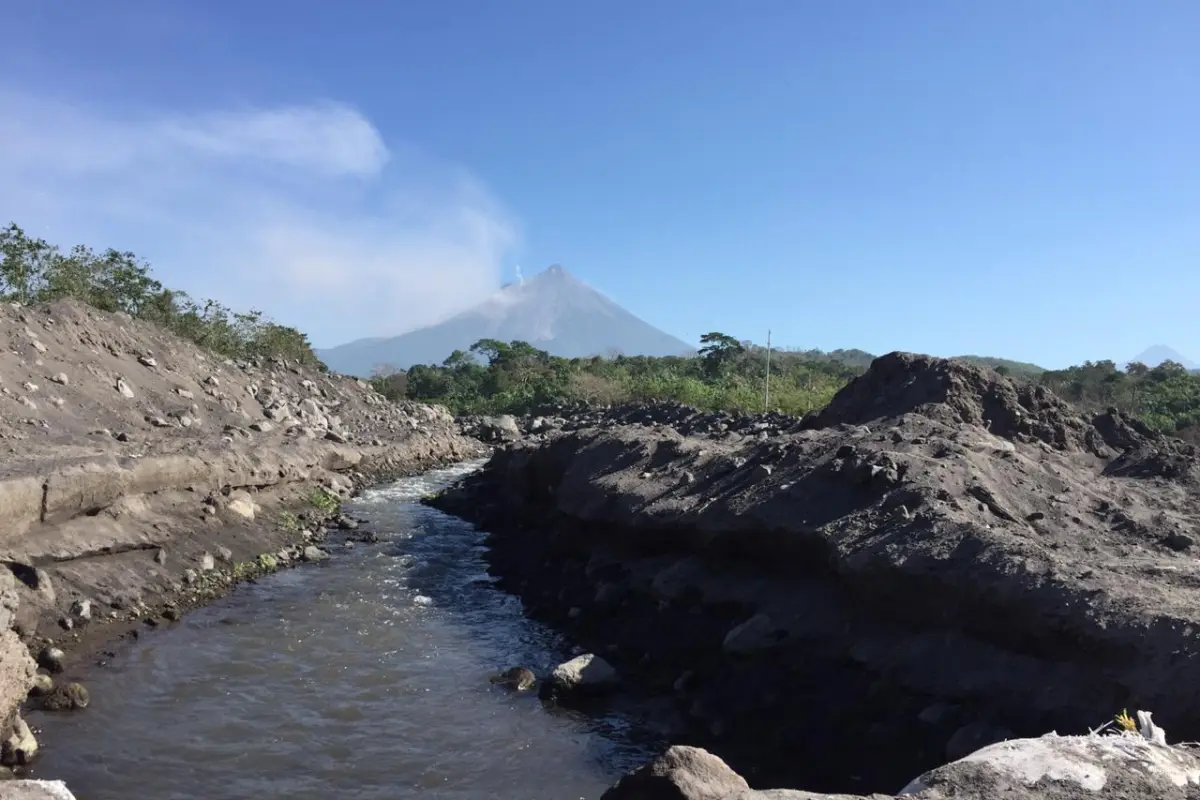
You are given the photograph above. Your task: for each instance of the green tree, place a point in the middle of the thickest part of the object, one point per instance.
(718, 351)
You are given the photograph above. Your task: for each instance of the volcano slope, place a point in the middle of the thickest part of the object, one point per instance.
(940, 559)
(140, 474)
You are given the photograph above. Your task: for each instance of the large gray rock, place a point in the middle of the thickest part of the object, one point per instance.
(1121, 766)
(587, 674)
(35, 790)
(681, 773)
(1053, 767)
(503, 428)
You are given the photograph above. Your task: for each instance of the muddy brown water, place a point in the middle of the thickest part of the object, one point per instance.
(363, 677)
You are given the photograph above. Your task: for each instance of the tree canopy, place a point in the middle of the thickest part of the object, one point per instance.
(33, 270)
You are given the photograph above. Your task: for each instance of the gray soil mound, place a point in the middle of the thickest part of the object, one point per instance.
(967, 556)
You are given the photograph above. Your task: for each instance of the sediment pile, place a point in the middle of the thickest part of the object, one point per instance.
(940, 559)
(142, 474)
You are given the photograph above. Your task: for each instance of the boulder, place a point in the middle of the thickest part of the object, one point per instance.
(1097, 766)
(1051, 767)
(314, 553)
(36, 790)
(20, 747)
(681, 773)
(503, 428)
(587, 674)
(241, 503)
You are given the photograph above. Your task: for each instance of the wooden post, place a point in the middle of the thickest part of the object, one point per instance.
(767, 377)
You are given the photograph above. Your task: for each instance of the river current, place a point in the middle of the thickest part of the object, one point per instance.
(364, 678)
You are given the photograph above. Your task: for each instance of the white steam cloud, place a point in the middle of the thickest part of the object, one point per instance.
(301, 211)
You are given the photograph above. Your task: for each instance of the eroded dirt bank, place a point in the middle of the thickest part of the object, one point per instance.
(142, 475)
(941, 559)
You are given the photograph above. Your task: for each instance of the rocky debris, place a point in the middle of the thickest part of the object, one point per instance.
(938, 537)
(685, 419)
(1121, 766)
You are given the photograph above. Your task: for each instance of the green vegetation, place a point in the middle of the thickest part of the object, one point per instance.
(1012, 369)
(289, 522)
(494, 377)
(324, 502)
(264, 564)
(33, 271)
(1166, 397)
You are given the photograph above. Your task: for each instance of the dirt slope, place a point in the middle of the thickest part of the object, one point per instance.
(141, 473)
(939, 557)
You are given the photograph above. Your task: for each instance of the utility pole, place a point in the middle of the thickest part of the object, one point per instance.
(767, 377)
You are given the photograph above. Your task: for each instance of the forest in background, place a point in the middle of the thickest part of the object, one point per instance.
(495, 377)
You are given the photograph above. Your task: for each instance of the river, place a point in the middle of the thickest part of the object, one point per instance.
(362, 677)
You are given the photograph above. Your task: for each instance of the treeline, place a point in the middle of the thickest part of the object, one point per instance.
(33, 271)
(1166, 397)
(494, 377)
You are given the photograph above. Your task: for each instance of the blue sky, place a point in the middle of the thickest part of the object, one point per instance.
(1017, 178)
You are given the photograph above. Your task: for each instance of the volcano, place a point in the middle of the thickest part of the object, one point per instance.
(553, 311)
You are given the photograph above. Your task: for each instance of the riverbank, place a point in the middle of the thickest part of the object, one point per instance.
(365, 676)
(939, 560)
(145, 477)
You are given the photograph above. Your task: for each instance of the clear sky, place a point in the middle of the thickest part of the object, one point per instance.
(1016, 178)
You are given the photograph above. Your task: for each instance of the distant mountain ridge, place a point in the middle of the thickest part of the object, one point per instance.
(553, 311)
(1157, 354)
